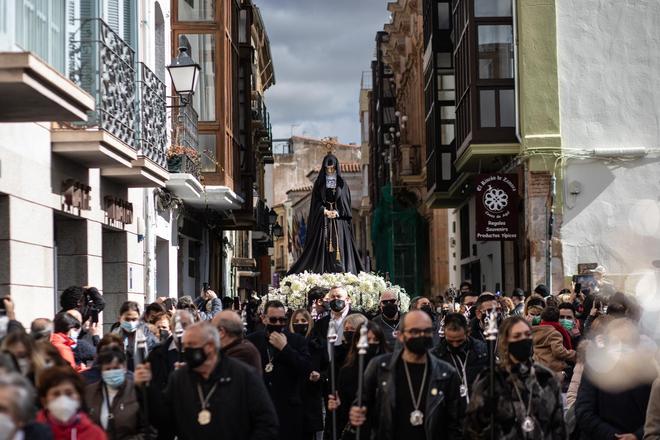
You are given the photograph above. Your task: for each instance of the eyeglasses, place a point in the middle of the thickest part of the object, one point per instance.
(416, 332)
(276, 320)
(388, 301)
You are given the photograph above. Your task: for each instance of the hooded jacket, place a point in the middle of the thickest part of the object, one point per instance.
(549, 348)
(80, 428)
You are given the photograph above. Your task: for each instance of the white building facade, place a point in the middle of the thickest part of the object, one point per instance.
(83, 141)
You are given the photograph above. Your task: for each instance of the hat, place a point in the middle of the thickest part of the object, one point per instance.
(600, 269)
(542, 290)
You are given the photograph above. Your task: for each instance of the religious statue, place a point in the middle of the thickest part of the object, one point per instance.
(330, 245)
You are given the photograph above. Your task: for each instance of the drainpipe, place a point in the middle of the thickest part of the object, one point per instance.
(551, 221)
(149, 263)
(515, 69)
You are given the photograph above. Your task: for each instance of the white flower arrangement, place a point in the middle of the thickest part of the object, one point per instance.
(364, 289)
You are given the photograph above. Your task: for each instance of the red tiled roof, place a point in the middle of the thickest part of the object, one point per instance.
(304, 188)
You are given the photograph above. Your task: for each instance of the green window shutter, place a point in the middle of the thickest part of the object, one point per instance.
(39, 28)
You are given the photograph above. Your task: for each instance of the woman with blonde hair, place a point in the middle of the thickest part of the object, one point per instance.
(29, 359)
(527, 401)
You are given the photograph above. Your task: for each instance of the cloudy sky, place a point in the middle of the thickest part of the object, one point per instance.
(320, 48)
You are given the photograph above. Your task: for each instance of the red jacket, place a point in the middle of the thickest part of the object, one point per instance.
(63, 343)
(81, 428)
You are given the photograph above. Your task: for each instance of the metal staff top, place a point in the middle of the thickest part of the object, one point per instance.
(363, 342)
(332, 333)
(490, 333)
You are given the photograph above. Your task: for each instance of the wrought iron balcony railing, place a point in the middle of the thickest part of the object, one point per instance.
(259, 111)
(152, 126)
(185, 126)
(103, 65)
(184, 164)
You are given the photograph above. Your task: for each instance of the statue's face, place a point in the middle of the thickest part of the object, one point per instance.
(330, 164)
(330, 169)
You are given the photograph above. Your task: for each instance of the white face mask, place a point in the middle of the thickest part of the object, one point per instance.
(73, 334)
(7, 426)
(63, 408)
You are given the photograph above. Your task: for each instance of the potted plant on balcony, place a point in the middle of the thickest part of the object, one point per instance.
(182, 159)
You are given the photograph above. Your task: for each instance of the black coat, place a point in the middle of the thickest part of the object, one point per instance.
(291, 369)
(601, 414)
(240, 407)
(313, 391)
(161, 360)
(477, 359)
(442, 416)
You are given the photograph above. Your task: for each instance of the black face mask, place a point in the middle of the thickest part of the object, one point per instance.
(373, 350)
(522, 350)
(348, 337)
(194, 356)
(390, 310)
(300, 328)
(337, 305)
(419, 345)
(275, 328)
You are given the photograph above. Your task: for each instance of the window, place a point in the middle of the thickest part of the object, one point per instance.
(196, 10)
(207, 149)
(487, 108)
(446, 91)
(444, 16)
(202, 50)
(492, 8)
(40, 29)
(497, 108)
(495, 51)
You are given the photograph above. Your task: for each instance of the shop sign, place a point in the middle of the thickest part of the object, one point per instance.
(118, 210)
(76, 194)
(497, 199)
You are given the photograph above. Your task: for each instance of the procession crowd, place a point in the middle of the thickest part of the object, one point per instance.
(578, 364)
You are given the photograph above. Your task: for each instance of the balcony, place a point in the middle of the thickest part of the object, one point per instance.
(186, 131)
(259, 111)
(185, 173)
(411, 164)
(125, 135)
(33, 91)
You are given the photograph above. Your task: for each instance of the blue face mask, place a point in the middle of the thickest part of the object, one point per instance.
(114, 378)
(129, 326)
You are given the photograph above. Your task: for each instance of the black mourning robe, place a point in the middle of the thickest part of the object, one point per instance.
(327, 236)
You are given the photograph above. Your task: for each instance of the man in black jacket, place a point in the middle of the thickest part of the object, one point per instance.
(469, 356)
(410, 394)
(214, 396)
(286, 365)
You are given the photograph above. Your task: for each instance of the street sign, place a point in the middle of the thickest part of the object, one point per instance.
(497, 198)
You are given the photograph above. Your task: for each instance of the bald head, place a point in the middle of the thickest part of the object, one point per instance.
(230, 326)
(416, 319)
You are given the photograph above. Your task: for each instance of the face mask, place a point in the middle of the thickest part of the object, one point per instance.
(275, 328)
(348, 336)
(373, 350)
(390, 310)
(536, 320)
(419, 345)
(194, 356)
(300, 328)
(129, 326)
(337, 305)
(73, 334)
(7, 426)
(63, 408)
(567, 323)
(521, 350)
(24, 365)
(114, 378)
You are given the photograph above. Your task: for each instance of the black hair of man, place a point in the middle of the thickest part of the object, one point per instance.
(483, 299)
(456, 321)
(273, 304)
(110, 355)
(542, 290)
(550, 314)
(316, 293)
(466, 284)
(72, 297)
(535, 301)
(466, 294)
(518, 293)
(154, 307)
(567, 306)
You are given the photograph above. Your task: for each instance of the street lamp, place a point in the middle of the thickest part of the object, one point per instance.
(184, 73)
(272, 217)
